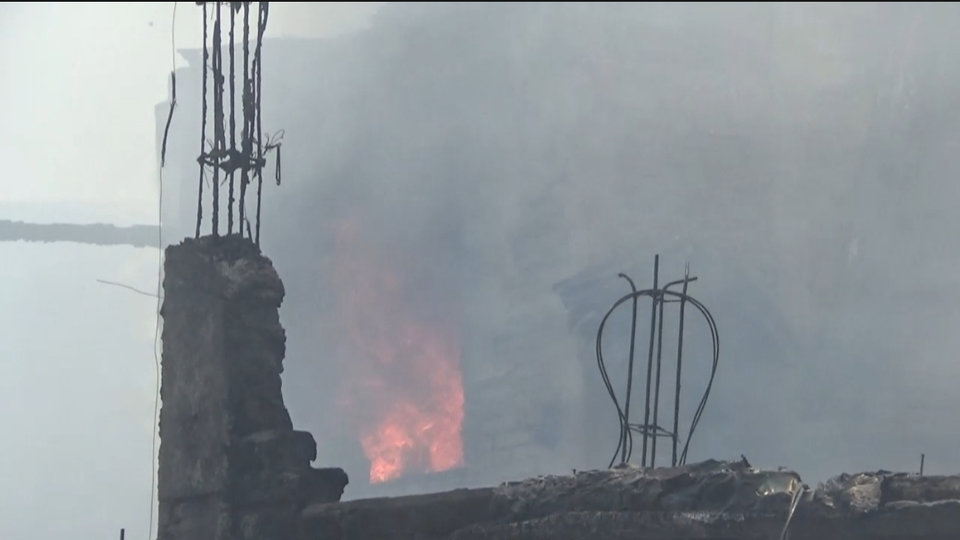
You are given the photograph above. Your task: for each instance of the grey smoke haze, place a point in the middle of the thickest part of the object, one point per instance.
(801, 156)
(77, 143)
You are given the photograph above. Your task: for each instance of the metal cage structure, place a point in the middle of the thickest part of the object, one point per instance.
(651, 430)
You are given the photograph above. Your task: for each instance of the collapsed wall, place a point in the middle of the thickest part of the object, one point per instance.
(231, 464)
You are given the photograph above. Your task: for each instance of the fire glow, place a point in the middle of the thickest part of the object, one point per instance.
(404, 391)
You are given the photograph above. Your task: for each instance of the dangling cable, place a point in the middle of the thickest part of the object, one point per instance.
(277, 173)
(156, 325)
(173, 100)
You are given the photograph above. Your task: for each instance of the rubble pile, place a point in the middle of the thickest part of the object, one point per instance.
(717, 500)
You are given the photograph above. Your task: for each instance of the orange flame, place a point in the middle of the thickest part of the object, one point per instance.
(405, 392)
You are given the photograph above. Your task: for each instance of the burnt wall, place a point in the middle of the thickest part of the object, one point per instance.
(231, 464)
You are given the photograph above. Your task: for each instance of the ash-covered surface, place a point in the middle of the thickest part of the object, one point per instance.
(709, 500)
(710, 486)
(231, 464)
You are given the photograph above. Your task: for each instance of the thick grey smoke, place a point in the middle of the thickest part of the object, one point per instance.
(800, 156)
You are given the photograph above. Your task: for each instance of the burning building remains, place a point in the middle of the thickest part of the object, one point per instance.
(391, 335)
(442, 297)
(425, 352)
(232, 466)
(458, 199)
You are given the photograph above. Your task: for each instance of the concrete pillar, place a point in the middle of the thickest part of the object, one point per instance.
(231, 464)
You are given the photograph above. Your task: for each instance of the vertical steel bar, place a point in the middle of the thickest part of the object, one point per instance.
(233, 118)
(203, 123)
(656, 386)
(676, 394)
(653, 331)
(625, 434)
(217, 116)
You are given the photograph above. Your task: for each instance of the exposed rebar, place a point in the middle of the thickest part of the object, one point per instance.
(222, 154)
(651, 427)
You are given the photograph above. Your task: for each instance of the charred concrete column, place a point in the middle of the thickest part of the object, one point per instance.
(231, 464)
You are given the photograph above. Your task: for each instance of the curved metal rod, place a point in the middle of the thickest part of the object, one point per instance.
(625, 441)
(715, 338)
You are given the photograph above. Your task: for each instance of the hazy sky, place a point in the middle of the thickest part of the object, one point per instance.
(77, 97)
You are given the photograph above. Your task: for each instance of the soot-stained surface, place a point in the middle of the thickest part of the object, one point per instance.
(231, 464)
(707, 500)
